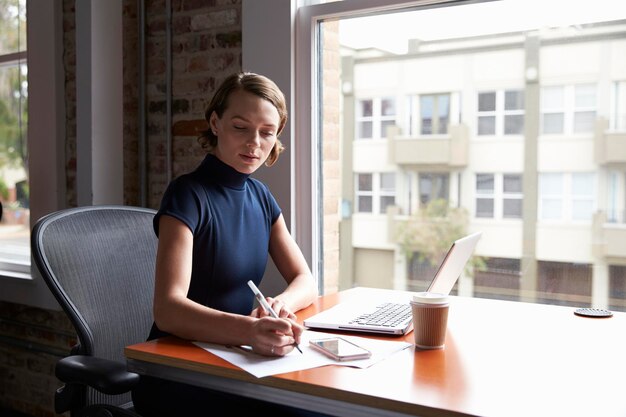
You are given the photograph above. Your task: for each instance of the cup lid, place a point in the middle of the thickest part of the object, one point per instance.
(430, 298)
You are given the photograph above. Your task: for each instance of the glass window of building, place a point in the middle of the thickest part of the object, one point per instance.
(444, 96)
(14, 190)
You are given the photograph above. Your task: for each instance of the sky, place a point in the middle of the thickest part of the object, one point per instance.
(473, 20)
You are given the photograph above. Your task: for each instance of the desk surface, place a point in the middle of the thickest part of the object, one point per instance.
(501, 359)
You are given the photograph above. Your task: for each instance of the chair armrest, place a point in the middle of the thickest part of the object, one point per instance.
(104, 375)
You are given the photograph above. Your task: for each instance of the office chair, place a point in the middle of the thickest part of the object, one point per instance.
(99, 262)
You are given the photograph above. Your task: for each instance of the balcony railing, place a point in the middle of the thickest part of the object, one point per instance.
(609, 146)
(432, 151)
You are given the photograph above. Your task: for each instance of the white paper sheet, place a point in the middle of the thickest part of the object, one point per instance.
(261, 366)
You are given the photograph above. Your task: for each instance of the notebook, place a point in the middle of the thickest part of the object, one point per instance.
(393, 315)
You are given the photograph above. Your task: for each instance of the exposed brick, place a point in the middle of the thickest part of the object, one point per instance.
(228, 39)
(212, 20)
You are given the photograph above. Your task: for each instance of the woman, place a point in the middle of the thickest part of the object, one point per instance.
(216, 227)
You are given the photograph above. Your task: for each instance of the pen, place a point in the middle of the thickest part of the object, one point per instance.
(261, 299)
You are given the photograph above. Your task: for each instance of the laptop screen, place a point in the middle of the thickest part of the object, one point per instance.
(453, 264)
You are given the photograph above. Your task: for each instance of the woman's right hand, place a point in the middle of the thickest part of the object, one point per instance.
(275, 337)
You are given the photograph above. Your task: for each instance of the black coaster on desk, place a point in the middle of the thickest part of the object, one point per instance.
(593, 312)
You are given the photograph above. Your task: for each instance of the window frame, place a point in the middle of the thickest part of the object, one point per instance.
(497, 195)
(14, 268)
(568, 109)
(377, 119)
(499, 113)
(567, 197)
(46, 137)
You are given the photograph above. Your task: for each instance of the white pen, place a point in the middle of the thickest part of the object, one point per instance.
(261, 299)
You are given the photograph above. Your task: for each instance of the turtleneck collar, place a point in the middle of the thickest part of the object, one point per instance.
(221, 173)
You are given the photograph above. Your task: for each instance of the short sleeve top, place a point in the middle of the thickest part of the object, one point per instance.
(230, 215)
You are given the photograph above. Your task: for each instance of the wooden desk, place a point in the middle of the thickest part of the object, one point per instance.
(501, 359)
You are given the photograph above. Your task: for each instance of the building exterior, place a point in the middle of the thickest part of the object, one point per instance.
(525, 132)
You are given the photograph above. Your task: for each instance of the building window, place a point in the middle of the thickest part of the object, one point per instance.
(512, 196)
(582, 196)
(501, 112)
(618, 106)
(374, 116)
(499, 196)
(387, 190)
(566, 197)
(375, 192)
(485, 195)
(568, 109)
(434, 114)
(486, 77)
(364, 193)
(14, 189)
(433, 186)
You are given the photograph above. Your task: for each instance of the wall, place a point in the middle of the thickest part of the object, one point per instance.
(206, 46)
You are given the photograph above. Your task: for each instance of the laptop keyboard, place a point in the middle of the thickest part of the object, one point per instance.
(387, 315)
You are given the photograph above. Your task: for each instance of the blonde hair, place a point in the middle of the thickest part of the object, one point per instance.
(256, 84)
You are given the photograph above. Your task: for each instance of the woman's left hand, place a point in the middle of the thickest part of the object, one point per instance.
(278, 306)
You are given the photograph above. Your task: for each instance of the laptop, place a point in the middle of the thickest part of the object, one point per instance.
(392, 316)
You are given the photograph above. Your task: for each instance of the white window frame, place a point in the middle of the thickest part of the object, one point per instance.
(376, 193)
(486, 195)
(436, 128)
(498, 195)
(567, 196)
(618, 106)
(376, 119)
(499, 113)
(363, 193)
(568, 108)
(386, 192)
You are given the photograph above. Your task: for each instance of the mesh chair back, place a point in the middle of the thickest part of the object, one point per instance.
(99, 263)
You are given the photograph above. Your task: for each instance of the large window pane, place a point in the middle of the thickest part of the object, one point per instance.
(14, 185)
(12, 26)
(483, 126)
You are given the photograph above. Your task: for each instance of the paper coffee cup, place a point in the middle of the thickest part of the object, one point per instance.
(430, 319)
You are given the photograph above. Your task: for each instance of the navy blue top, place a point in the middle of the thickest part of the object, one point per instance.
(230, 215)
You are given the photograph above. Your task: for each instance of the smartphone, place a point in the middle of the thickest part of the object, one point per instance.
(340, 349)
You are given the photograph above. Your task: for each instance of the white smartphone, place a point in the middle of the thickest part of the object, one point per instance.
(340, 349)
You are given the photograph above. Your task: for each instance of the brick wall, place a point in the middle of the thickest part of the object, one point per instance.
(31, 341)
(205, 48)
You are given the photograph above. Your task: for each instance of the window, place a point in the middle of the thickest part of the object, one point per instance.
(485, 195)
(375, 192)
(568, 109)
(433, 186)
(501, 113)
(387, 190)
(512, 196)
(499, 196)
(364, 193)
(618, 106)
(551, 190)
(14, 184)
(567, 197)
(553, 110)
(434, 113)
(374, 117)
(487, 72)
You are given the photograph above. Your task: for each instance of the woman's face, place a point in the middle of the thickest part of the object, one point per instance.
(246, 133)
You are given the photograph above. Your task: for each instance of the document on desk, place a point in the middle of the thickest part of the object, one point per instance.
(261, 366)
